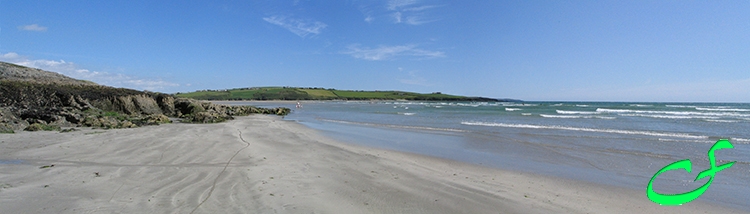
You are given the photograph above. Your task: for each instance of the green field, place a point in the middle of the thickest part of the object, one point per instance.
(289, 93)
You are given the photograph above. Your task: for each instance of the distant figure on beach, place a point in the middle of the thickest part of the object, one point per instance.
(299, 105)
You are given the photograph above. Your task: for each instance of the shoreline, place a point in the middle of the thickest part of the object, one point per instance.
(265, 164)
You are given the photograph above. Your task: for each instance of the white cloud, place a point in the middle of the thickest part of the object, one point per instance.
(397, 4)
(421, 8)
(417, 20)
(388, 52)
(297, 26)
(410, 12)
(33, 27)
(369, 19)
(72, 70)
(397, 17)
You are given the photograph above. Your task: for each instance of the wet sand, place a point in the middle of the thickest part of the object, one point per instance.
(262, 164)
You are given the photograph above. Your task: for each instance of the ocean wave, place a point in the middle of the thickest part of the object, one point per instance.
(513, 109)
(568, 128)
(640, 105)
(722, 121)
(518, 104)
(575, 116)
(525, 114)
(680, 106)
(576, 112)
(664, 116)
(686, 141)
(581, 105)
(715, 114)
(407, 113)
(393, 126)
(720, 109)
(560, 116)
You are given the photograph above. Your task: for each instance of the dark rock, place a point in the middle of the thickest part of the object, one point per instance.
(125, 104)
(69, 130)
(71, 117)
(166, 103)
(146, 104)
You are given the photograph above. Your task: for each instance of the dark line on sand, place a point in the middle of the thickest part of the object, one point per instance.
(222, 172)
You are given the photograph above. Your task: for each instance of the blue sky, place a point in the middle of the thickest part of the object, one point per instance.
(531, 50)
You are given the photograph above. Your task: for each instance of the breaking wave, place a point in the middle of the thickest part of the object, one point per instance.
(568, 128)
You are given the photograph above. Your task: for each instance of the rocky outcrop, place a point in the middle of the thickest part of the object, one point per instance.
(166, 103)
(37, 105)
(205, 112)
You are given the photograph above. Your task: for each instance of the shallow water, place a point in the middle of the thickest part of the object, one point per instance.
(620, 144)
(11, 161)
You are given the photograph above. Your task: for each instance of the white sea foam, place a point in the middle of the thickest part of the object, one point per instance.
(394, 126)
(665, 116)
(407, 113)
(640, 105)
(559, 104)
(518, 104)
(576, 112)
(714, 114)
(720, 109)
(575, 116)
(560, 116)
(613, 131)
(680, 106)
(525, 114)
(513, 109)
(722, 121)
(579, 105)
(684, 140)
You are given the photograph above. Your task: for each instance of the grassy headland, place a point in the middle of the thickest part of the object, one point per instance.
(292, 93)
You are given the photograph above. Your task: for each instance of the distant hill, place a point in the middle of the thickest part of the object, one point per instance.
(293, 93)
(13, 72)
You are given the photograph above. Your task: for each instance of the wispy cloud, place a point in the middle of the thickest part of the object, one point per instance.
(72, 70)
(398, 4)
(297, 26)
(410, 12)
(388, 52)
(33, 27)
(421, 8)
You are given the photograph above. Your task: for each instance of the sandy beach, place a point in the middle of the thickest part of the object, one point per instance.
(262, 164)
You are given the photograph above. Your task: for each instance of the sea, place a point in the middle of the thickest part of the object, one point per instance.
(620, 144)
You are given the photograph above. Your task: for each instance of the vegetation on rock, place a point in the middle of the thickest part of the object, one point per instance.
(41, 127)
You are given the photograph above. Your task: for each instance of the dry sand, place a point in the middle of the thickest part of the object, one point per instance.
(261, 164)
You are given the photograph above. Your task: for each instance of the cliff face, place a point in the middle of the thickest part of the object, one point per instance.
(45, 99)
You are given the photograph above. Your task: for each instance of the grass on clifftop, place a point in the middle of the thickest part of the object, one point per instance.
(287, 93)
